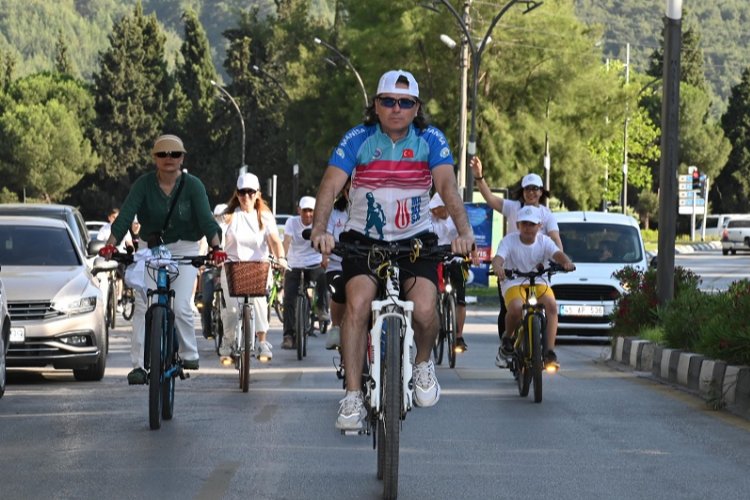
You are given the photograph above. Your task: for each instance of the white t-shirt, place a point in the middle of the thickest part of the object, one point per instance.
(510, 211)
(335, 225)
(301, 253)
(244, 240)
(518, 255)
(445, 230)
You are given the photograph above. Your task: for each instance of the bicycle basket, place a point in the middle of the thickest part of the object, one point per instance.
(247, 278)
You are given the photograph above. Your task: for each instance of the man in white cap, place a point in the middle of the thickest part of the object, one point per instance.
(524, 250)
(394, 158)
(302, 259)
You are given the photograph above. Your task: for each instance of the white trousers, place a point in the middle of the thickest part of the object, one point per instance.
(182, 306)
(230, 315)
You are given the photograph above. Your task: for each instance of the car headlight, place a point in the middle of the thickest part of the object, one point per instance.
(75, 306)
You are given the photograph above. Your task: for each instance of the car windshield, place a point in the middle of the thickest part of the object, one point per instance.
(600, 242)
(36, 246)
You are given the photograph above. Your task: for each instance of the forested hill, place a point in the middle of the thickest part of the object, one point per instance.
(722, 26)
(30, 29)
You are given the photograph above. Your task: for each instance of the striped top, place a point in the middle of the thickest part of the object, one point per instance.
(391, 181)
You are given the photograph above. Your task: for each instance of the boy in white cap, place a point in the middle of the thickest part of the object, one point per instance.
(394, 157)
(302, 258)
(447, 232)
(524, 250)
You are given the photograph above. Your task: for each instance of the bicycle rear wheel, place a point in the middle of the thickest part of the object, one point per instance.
(246, 344)
(156, 372)
(302, 318)
(450, 328)
(439, 347)
(392, 397)
(111, 306)
(128, 303)
(537, 359)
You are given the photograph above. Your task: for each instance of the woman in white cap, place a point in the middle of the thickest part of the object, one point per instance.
(150, 198)
(250, 236)
(532, 193)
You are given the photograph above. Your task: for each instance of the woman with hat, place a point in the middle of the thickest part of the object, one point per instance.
(532, 193)
(251, 235)
(150, 199)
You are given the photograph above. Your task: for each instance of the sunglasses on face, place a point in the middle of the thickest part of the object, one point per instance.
(532, 188)
(246, 192)
(171, 154)
(403, 103)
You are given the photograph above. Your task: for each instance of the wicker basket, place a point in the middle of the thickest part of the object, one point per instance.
(247, 279)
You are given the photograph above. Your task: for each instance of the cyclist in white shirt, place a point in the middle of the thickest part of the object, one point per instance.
(301, 255)
(334, 271)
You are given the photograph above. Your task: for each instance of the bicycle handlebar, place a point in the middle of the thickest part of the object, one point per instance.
(194, 260)
(553, 268)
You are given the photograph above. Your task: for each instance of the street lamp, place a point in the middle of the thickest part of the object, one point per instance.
(276, 82)
(348, 63)
(239, 113)
(476, 57)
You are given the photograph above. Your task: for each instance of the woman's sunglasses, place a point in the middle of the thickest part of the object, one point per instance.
(246, 192)
(171, 154)
(403, 103)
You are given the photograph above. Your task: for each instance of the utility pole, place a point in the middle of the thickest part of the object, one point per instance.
(547, 160)
(625, 136)
(463, 188)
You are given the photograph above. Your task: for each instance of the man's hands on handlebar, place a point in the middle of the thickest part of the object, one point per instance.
(107, 251)
(322, 242)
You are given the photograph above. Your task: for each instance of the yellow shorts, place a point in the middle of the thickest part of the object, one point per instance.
(520, 291)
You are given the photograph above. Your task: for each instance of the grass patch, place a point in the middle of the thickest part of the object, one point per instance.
(652, 334)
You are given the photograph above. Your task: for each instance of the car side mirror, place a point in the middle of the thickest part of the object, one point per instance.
(95, 246)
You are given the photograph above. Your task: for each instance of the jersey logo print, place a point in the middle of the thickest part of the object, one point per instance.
(416, 205)
(402, 214)
(375, 216)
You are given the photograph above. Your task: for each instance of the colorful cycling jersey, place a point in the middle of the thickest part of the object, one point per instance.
(391, 182)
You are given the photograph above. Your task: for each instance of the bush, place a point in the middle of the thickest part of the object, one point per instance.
(726, 334)
(687, 315)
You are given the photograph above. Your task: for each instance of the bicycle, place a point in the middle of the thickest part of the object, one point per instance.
(246, 279)
(216, 326)
(276, 293)
(161, 353)
(304, 315)
(387, 376)
(446, 306)
(128, 302)
(526, 363)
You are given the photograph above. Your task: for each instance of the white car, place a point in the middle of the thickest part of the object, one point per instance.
(55, 303)
(599, 243)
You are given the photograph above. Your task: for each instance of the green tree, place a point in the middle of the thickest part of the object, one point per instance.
(63, 63)
(131, 92)
(732, 187)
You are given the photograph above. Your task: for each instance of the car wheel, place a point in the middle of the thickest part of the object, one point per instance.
(725, 251)
(94, 372)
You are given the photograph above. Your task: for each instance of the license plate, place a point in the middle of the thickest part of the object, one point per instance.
(572, 310)
(17, 334)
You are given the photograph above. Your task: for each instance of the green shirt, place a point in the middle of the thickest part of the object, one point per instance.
(191, 218)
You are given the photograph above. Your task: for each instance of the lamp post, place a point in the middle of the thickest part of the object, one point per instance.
(348, 63)
(464, 65)
(275, 81)
(239, 113)
(476, 58)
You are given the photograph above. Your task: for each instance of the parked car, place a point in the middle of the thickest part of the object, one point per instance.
(600, 244)
(67, 213)
(736, 236)
(4, 336)
(55, 304)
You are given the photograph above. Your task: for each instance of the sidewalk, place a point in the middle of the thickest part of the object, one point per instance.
(719, 384)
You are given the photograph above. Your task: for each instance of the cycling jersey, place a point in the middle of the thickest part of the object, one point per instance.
(391, 181)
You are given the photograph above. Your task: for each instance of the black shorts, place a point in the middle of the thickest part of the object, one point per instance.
(423, 268)
(337, 286)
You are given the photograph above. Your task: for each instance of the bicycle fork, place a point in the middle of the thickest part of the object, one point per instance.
(376, 334)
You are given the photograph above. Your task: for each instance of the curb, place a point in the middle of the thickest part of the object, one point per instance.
(719, 384)
(693, 247)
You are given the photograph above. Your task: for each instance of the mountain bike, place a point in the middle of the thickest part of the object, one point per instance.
(446, 307)
(527, 360)
(246, 279)
(387, 380)
(276, 293)
(161, 357)
(304, 312)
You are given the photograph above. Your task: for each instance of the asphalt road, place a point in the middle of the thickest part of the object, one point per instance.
(600, 432)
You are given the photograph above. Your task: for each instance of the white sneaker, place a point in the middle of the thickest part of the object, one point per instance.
(351, 412)
(333, 338)
(426, 386)
(323, 315)
(263, 352)
(225, 350)
(501, 361)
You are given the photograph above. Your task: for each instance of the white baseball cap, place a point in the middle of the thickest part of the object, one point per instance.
(530, 213)
(436, 201)
(220, 208)
(248, 181)
(307, 202)
(532, 180)
(387, 83)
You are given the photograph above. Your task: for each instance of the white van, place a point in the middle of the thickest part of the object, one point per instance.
(715, 223)
(599, 243)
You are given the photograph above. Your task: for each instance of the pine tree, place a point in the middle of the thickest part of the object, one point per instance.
(62, 59)
(732, 187)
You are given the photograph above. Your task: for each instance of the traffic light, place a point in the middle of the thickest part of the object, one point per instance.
(702, 188)
(696, 180)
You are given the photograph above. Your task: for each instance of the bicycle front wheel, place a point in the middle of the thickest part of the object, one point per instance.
(167, 385)
(439, 347)
(537, 358)
(111, 305)
(156, 372)
(217, 326)
(392, 397)
(246, 346)
(524, 357)
(302, 317)
(450, 327)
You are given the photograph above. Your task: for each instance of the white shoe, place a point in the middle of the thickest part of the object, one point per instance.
(426, 386)
(225, 350)
(333, 338)
(263, 352)
(351, 412)
(501, 361)
(323, 315)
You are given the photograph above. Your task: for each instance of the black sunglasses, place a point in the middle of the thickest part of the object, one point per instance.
(532, 188)
(403, 103)
(171, 154)
(246, 192)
